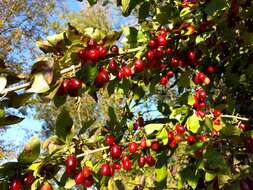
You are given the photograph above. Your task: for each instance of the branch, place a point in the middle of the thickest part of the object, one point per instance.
(63, 71)
(231, 116)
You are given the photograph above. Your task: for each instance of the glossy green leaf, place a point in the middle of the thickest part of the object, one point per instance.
(92, 2)
(150, 128)
(144, 11)
(192, 123)
(31, 151)
(213, 6)
(163, 135)
(86, 125)
(10, 120)
(87, 74)
(209, 176)
(161, 176)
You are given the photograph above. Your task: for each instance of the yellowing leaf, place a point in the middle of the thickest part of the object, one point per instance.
(39, 84)
(150, 128)
(3, 82)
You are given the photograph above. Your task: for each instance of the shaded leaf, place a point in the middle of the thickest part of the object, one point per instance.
(10, 120)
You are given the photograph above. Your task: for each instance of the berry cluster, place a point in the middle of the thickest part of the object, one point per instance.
(26, 180)
(70, 87)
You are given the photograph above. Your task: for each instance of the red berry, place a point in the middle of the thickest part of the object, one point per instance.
(73, 92)
(105, 169)
(143, 144)
(201, 76)
(102, 52)
(63, 89)
(180, 128)
(196, 80)
(202, 104)
(93, 54)
(202, 94)
(191, 55)
(112, 170)
(109, 139)
(170, 136)
(150, 55)
(102, 78)
(168, 51)
(115, 50)
(125, 158)
(211, 69)
(161, 40)
(126, 71)
(191, 139)
(82, 54)
(88, 182)
(127, 164)
(214, 133)
(155, 145)
(71, 163)
(115, 151)
(178, 137)
(120, 75)
(79, 178)
(75, 84)
(16, 184)
(138, 65)
(217, 113)
(46, 186)
(174, 61)
(201, 113)
(113, 65)
(116, 165)
(28, 178)
(152, 43)
(243, 126)
(92, 43)
(173, 144)
(170, 73)
(203, 137)
(216, 122)
(158, 52)
(150, 160)
(141, 161)
(181, 63)
(164, 81)
(162, 33)
(86, 172)
(132, 147)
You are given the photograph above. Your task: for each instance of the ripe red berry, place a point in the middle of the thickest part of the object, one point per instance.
(155, 145)
(181, 63)
(28, 178)
(46, 186)
(201, 113)
(102, 78)
(201, 76)
(191, 55)
(116, 165)
(211, 69)
(170, 73)
(158, 51)
(202, 94)
(75, 84)
(109, 139)
(162, 33)
(86, 172)
(214, 133)
(173, 144)
(126, 71)
(120, 74)
(115, 151)
(141, 161)
(161, 40)
(191, 139)
(126, 164)
(150, 160)
(113, 65)
(217, 113)
(180, 128)
(152, 43)
(203, 137)
(196, 80)
(168, 51)
(202, 104)
(71, 164)
(82, 54)
(170, 136)
(150, 55)
(79, 178)
(105, 169)
(164, 81)
(174, 61)
(63, 89)
(92, 43)
(115, 50)
(16, 184)
(243, 126)
(102, 52)
(138, 65)
(178, 137)
(143, 144)
(132, 147)
(88, 182)
(93, 54)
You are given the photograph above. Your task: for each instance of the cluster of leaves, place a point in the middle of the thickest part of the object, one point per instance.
(219, 34)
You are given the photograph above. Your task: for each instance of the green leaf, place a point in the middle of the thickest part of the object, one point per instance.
(87, 74)
(215, 161)
(112, 115)
(31, 151)
(8, 169)
(3, 83)
(59, 100)
(163, 135)
(39, 84)
(86, 125)
(131, 34)
(45, 46)
(180, 113)
(19, 100)
(111, 86)
(63, 124)
(125, 7)
(55, 39)
(230, 130)
(10, 120)
(69, 183)
(209, 176)
(161, 176)
(192, 123)
(150, 128)
(208, 123)
(185, 11)
(144, 11)
(166, 13)
(2, 113)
